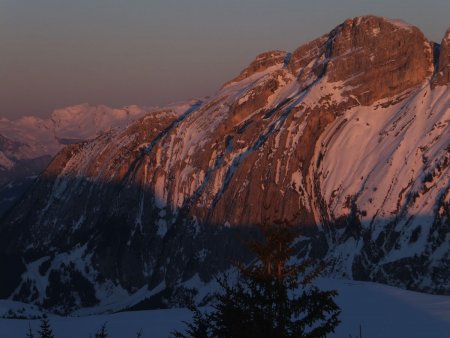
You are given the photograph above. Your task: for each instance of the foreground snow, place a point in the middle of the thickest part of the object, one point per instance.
(382, 311)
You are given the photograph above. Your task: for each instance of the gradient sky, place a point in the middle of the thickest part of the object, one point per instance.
(55, 53)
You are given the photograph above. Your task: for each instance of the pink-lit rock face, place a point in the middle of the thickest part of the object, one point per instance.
(378, 58)
(344, 137)
(373, 57)
(262, 62)
(443, 70)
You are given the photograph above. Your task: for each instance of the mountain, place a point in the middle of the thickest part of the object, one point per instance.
(347, 137)
(28, 144)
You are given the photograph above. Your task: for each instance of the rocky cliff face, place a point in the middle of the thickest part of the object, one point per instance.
(347, 137)
(443, 67)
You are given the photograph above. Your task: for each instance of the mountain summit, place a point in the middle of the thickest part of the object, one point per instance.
(348, 137)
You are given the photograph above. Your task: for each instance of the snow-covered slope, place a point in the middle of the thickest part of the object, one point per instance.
(348, 137)
(380, 310)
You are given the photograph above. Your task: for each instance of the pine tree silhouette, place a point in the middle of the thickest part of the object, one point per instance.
(199, 328)
(272, 298)
(102, 333)
(45, 330)
(30, 332)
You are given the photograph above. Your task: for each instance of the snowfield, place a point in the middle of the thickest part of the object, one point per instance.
(382, 311)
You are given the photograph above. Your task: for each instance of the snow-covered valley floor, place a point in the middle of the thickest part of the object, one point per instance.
(382, 311)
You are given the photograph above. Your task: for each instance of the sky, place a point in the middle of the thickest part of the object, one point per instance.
(56, 53)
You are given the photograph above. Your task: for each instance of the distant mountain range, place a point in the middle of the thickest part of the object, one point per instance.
(28, 144)
(347, 137)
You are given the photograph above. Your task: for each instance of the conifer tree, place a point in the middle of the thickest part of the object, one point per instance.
(272, 298)
(199, 328)
(102, 333)
(45, 330)
(30, 332)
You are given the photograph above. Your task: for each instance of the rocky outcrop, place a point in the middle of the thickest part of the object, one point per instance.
(262, 62)
(369, 57)
(377, 58)
(344, 138)
(442, 77)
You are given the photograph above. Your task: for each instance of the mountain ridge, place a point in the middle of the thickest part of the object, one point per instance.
(347, 136)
